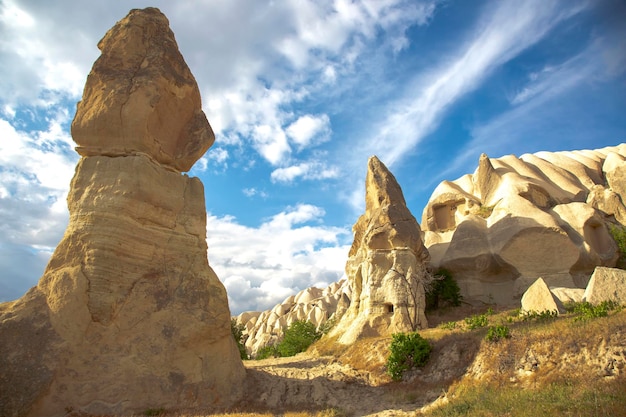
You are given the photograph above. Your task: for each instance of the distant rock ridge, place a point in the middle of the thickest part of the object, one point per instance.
(311, 304)
(128, 314)
(517, 219)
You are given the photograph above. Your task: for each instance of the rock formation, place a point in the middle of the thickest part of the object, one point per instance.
(517, 219)
(312, 304)
(386, 268)
(538, 298)
(606, 284)
(128, 314)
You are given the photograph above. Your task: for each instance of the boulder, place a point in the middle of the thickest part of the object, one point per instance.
(128, 314)
(386, 267)
(606, 284)
(518, 218)
(568, 295)
(140, 97)
(539, 298)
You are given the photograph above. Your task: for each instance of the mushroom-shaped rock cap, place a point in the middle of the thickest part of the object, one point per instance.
(140, 97)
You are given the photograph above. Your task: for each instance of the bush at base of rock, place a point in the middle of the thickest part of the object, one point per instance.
(586, 311)
(618, 233)
(408, 350)
(298, 337)
(443, 291)
(240, 338)
(496, 333)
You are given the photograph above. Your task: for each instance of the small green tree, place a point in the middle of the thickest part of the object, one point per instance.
(268, 351)
(237, 329)
(298, 337)
(407, 351)
(443, 291)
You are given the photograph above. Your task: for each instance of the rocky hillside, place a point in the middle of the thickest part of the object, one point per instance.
(517, 219)
(312, 304)
(514, 220)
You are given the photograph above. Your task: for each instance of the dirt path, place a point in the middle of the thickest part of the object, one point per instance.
(305, 382)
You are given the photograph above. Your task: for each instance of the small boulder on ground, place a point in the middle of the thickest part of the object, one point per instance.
(538, 298)
(568, 295)
(606, 284)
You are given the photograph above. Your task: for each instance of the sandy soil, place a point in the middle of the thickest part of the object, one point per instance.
(305, 382)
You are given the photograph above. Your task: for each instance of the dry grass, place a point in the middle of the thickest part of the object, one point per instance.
(554, 367)
(566, 397)
(560, 367)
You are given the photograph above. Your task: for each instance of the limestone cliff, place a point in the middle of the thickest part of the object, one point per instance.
(386, 267)
(128, 314)
(517, 219)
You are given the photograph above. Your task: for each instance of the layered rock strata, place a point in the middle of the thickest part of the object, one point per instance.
(516, 219)
(128, 315)
(386, 265)
(312, 304)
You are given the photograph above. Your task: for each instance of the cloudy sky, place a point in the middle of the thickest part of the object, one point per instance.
(300, 93)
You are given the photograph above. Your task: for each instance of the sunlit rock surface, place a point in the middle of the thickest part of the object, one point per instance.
(517, 219)
(128, 315)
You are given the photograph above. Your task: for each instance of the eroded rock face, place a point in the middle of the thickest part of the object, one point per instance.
(386, 268)
(517, 219)
(128, 314)
(140, 97)
(313, 304)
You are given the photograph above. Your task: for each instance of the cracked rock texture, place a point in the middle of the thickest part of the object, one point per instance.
(386, 265)
(128, 314)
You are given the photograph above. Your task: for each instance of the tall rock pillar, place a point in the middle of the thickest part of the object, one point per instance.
(386, 267)
(128, 314)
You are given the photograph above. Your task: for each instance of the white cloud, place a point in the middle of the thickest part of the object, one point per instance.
(252, 192)
(262, 266)
(309, 130)
(313, 170)
(35, 173)
(502, 34)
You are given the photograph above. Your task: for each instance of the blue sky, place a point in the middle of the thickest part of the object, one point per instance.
(300, 93)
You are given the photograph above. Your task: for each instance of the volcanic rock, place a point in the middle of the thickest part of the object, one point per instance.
(517, 219)
(140, 97)
(386, 268)
(538, 298)
(606, 284)
(128, 314)
(311, 304)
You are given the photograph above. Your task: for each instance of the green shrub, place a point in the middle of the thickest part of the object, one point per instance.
(408, 350)
(476, 321)
(495, 333)
(298, 337)
(619, 235)
(443, 291)
(268, 351)
(240, 337)
(451, 325)
(587, 311)
(540, 316)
